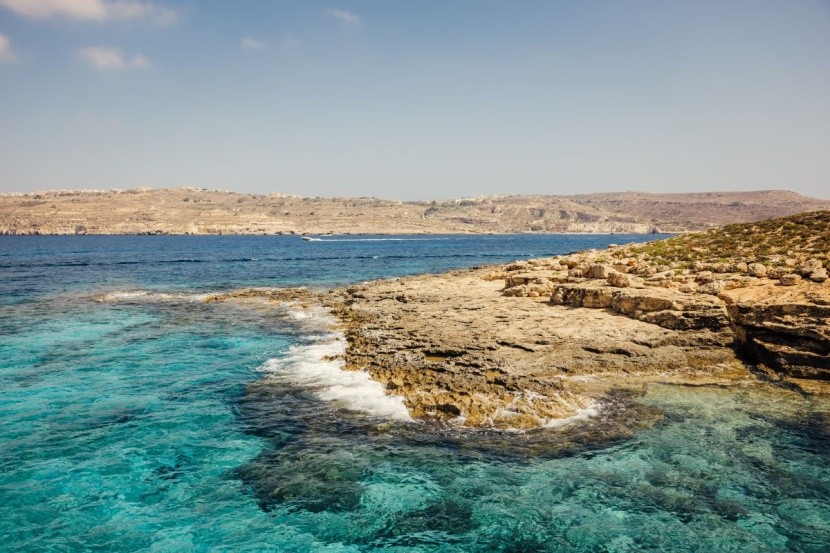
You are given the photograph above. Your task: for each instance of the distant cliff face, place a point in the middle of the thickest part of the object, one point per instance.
(197, 211)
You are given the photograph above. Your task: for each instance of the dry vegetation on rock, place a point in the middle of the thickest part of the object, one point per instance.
(782, 242)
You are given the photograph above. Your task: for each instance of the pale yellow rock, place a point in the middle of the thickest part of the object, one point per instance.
(789, 279)
(619, 280)
(757, 269)
(810, 266)
(461, 347)
(819, 275)
(599, 270)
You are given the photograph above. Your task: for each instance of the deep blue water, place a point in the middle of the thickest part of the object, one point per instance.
(32, 266)
(135, 417)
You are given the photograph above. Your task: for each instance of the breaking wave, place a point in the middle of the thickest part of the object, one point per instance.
(319, 368)
(147, 296)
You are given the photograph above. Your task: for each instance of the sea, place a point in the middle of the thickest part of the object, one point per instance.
(135, 416)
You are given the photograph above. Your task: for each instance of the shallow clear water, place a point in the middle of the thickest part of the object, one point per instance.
(154, 421)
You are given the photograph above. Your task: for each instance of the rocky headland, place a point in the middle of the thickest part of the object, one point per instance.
(199, 211)
(540, 342)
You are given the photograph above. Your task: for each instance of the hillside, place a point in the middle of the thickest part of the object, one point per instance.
(776, 243)
(199, 211)
(703, 210)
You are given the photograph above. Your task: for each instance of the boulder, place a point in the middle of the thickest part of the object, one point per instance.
(757, 270)
(619, 280)
(819, 275)
(599, 270)
(737, 282)
(810, 266)
(789, 280)
(704, 277)
(714, 288)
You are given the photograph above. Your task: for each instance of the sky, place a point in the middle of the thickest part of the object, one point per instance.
(416, 100)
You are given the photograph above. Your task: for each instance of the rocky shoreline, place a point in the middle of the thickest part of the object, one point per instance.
(541, 342)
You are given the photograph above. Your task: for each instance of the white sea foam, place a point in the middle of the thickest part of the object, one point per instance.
(315, 320)
(581, 411)
(124, 296)
(592, 410)
(319, 367)
(373, 239)
(150, 296)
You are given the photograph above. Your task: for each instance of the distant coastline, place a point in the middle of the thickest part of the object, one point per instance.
(190, 211)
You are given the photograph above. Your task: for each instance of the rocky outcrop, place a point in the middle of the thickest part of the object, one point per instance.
(534, 341)
(789, 332)
(775, 313)
(619, 280)
(789, 280)
(658, 306)
(457, 350)
(789, 335)
(538, 342)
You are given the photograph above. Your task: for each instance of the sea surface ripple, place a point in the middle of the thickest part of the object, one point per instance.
(134, 416)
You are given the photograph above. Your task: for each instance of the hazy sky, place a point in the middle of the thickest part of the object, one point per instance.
(415, 100)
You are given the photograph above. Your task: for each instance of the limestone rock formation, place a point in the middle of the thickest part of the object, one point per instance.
(458, 350)
(536, 342)
(775, 317)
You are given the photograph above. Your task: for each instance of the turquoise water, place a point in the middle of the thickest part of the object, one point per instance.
(134, 417)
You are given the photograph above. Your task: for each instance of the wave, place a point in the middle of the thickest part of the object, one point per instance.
(310, 239)
(312, 321)
(320, 369)
(582, 409)
(147, 296)
(585, 413)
